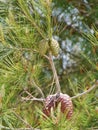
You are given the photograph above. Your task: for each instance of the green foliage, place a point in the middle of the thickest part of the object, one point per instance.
(57, 121)
(26, 29)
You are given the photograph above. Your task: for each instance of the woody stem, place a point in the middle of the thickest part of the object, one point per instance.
(58, 88)
(86, 92)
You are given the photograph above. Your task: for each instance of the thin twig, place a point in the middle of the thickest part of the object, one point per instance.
(51, 88)
(86, 92)
(29, 94)
(55, 73)
(30, 97)
(33, 99)
(38, 88)
(46, 57)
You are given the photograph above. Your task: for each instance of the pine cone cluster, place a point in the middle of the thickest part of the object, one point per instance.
(46, 46)
(52, 102)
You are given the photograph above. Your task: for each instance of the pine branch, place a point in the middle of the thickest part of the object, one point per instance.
(54, 73)
(32, 98)
(25, 9)
(86, 92)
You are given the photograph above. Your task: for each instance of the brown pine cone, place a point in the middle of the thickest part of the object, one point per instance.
(66, 104)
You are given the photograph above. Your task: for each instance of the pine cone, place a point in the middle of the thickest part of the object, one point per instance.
(66, 104)
(54, 47)
(43, 47)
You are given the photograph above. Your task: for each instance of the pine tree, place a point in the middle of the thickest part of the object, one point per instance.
(29, 71)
